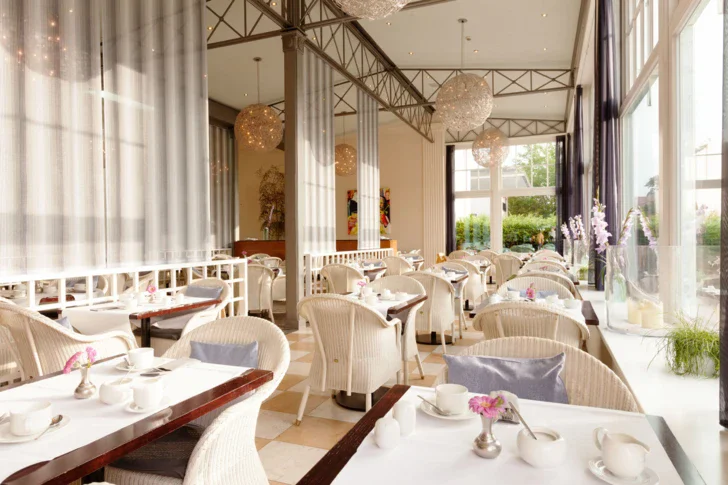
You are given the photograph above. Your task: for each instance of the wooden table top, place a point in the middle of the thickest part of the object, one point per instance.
(587, 309)
(326, 470)
(159, 312)
(87, 459)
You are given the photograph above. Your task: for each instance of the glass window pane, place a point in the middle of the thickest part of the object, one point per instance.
(529, 222)
(530, 166)
(472, 223)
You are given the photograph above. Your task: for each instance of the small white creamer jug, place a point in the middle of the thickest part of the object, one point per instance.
(623, 455)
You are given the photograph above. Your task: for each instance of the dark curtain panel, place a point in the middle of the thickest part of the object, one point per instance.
(576, 162)
(450, 243)
(563, 184)
(723, 395)
(606, 126)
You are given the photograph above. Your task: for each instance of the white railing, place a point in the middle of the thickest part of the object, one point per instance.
(173, 277)
(312, 264)
(226, 251)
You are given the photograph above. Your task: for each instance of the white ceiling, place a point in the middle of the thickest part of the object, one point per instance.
(507, 34)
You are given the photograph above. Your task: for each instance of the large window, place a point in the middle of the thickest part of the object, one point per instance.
(472, 222)
(700, 118)
(640, 36)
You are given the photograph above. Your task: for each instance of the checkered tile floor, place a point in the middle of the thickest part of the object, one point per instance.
(288, 452)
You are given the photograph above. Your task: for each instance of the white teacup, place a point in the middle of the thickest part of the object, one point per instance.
(370, 299)
(179, 298)
(572, 304)
(131, 304)
(548, 451)
(386, 433)
(142, 358)
(400, 296)
(387, 293)
(166, 301)
(623, 454)
(115, 392)
(148, 393)
(452, 398)
(552, 298)
(513, 294)
(30, 418)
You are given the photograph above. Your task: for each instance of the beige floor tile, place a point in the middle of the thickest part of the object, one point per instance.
(294, 337)
(301, 386)
(308, 339)
(432, 369)
(426, 348)
(466, 342)
(428, 381)
(271, 424)
(301, 345)
(306, 358)
(273, 394)
(288, 402)
(299, 368)
(330, 410)
(434, 359)
(297, 354)
(288, 463)
(290, 380)
(316, 432)
(260, 443)
(271, 482)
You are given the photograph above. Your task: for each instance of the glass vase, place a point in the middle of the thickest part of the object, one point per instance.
(486, 445)
(86, 388)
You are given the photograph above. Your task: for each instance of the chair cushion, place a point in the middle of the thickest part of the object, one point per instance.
(167, 456)
(245, 355)
(537, 379)
(195, 291)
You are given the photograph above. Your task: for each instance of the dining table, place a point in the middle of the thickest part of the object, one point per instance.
(97, 434)
(587, 311)
(440, 450)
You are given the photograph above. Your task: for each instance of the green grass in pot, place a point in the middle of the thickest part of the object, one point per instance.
(690, 346)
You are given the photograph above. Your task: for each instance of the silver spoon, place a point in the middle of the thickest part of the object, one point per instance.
(54, 422)
(513, 408)
(437, 409)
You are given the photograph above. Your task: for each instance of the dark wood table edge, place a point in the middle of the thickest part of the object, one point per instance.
(326, 470)
(145, 317)
(80, 462)
(329, 467)
(406, 305)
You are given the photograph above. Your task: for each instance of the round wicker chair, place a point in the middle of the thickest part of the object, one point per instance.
(549, 253)
(341, 278)
(588, 381)
(459, 254)
(260, 289)
(558, 277)
(539, 284)
(506, 265)
(397, 265)
(439, 311)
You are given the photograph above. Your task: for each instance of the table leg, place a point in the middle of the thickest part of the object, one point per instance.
(146, 332)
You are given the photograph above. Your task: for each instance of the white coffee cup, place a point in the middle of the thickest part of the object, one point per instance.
(548, 451)
(552, 298)
(452, 398)
(179, 298)
(371, 299)
(572, 304)
(148, 393)
(387, 293)
(406, 415)
(166, 301)
(623, 454)
(116, 391)
(142, 358)
(30, 418)
(513, 294)
(131, 304)
(386, 433)
(366, 291)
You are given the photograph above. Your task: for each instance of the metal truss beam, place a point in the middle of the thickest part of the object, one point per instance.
(513, 128)
(246, 25)
(503, 82)
(348, 18)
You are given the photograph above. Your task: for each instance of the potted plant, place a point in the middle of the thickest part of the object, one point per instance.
(692, 347)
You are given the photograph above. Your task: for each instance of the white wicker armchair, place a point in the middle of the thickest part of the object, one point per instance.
(539, 284)
(271, 262)
(549, 253)
(439, 310)
(260, 289)
(397, 265)
(11, 369)
(474, 288)
(258, 256)
(528, 319)
(43, 346)
(341, 278)
(506, 266)
(543, 265)
(558, 277)
(226, 451)
(409, 343)
(459, 254)
(588, 381)
(357, 349)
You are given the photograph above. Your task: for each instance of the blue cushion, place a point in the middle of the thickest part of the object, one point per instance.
(536, 379)
(245, 355)
(65, 323)
(212, 292)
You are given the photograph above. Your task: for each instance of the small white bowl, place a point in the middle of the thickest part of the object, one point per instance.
(572, 304)
(548, 451)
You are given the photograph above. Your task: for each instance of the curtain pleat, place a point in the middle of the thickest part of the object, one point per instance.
(155, 109)
(222, 187)
(318, 185)
(368, 170)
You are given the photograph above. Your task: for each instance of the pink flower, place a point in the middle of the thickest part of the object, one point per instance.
(244, 253)
(565, 232)
(531, 292)
(361, 283)
(490, 407)
(151, 289)
(71, 362)
(91, 355)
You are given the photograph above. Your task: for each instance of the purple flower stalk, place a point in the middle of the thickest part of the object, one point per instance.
(648, 232)
(626, 231)
(599, 224)
(565, 232)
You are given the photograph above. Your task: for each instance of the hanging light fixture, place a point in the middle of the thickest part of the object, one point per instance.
(257, 127)
(465, 101)
(490, 148)
(344, 156)
(371, 9)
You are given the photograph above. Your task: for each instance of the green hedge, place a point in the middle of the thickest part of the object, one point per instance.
(473, 231)
(711, 230)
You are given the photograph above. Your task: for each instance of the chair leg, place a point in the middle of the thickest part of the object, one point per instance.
(368, 401)
(419, 365)
(399, 376)
(302, 406)
(405, 369)
(270, 312)
(444, 347)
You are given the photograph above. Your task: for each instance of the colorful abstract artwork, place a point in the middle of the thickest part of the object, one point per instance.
(352, 210)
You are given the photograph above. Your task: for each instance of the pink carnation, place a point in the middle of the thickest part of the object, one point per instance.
(71, 362)
(490, 407)
(91, 354)
(151, 289)
(531, 292)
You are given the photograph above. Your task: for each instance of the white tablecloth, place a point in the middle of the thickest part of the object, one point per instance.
(91, 321)
(440, 452)
(91, 419)
(78, 296)
(576, 312)
(383, 306)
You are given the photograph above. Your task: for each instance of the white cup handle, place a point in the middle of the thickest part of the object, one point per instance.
(599, 437)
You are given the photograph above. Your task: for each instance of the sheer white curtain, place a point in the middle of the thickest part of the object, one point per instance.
(318, 185)
(51, 163)
(155, 115)
(223, 187)
(367, 149)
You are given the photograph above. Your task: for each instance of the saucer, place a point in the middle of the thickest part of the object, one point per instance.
(427, 409)
(132, 407)
(7, 437)
(122, 366)
(647, 477)
(386, 298)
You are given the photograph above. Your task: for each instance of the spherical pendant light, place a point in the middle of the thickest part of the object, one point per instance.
(465, 101)
(371, 9)
(344, 159)
(257, 127)
(490, 148)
